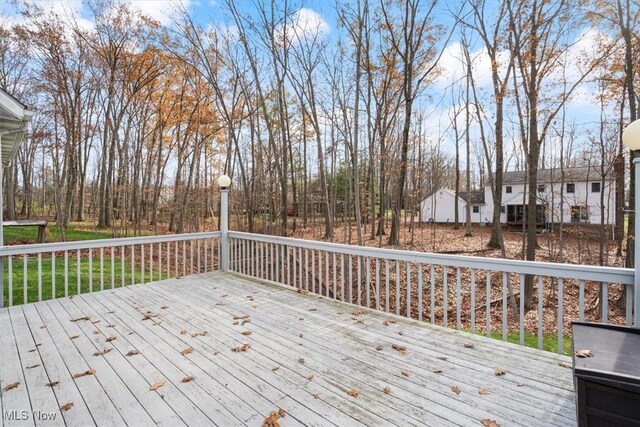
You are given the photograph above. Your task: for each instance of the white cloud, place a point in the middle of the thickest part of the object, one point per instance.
(160, 10)
(305, 23)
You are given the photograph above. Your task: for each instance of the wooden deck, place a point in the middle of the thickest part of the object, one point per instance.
(320, 361)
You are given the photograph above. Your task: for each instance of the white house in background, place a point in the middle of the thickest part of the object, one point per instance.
(574, 195)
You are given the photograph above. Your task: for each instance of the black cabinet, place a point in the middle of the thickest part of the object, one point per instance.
(607, 384)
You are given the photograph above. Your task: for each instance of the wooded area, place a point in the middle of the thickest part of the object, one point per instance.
(316, 124)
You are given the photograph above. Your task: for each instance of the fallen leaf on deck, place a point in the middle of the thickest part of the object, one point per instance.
(583, 353)
(499, 372)
(313, 309)
(316, 396)
(565, 365)
(468, 345)
(246, 316)
(386, 390)
(520, 385)
(455, 389)
(186, 351)
(200, 334)
(400, 333)
(76, 336)
(33, 366)
(32, 350)
(301, 335)
(246, 333)
(183, 332)
(111, 325)
(66, 407)
(275, 368)
(245, 321)
(96, 332)
(133, 352)
(110, 338)
(352, 393)
(388, 322)
(77, 319)
(187, 379)
(43, 327)
(405, 373)
(164, 307)
(483, 391)
(85, 373)
(11, 386)
(378, 348)
(243, 347)
(100, 353)
(110, 312)
(310, 377)
(225, 295)
(215, 353)
(156, 323)
(357, 320)
(53, 383)
(489, 423)
(219, 303)
(96, 321)
(272, 419)
(443, 357)
(300, 318)
(157, 385)
(399, 348)
(235, 323)
(436, 371)
(358, 312)
(301, 360)
(149, 315)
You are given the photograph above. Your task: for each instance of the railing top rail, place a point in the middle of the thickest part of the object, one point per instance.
(102, 243)
(568, 271)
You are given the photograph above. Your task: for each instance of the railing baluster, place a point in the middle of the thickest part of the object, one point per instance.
(90, 270)
(386, 285)
(25, 296)
(306, 265)
(10, 281)
(359, 278)
(368, 281)
(78, 270)
(458, 297)
(184, 258)
(397, 288)
(295, 268)
(39, 277)
(113, 268)
(102, 268)
(122, 261)
(473, 301)
(53, 274)
(151, 262)
(581, 301)
(521, 311)
(142, 262)
(560, 321)
(540, 311)
(605, 303)
(342, 277)
(133, 264)
(335, 290)
(326, 273)
(313, 271)
(66, 274)
(445, 294)
(488, 303)
(199, 256)
(378, 284)
(160, 258)
(420, 290)
(505, 277)
(350, 279)
(433, 294)
(169, 259)
(320, 276)
(191, 257)
(408, 269)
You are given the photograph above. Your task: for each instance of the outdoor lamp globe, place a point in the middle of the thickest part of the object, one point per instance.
(224, 181)
(631, 136)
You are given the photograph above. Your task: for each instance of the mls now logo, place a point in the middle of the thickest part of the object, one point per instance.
(23, 415)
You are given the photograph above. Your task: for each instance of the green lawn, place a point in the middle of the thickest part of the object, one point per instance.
(549, 340)
(29, 234)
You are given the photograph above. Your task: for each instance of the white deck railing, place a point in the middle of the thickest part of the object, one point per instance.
(446, 289)
(32, 273)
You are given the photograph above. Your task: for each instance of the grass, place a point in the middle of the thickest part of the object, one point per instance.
(26, 234)
(549, 340)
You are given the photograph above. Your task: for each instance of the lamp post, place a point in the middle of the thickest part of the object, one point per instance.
(224, 182)
(631, 138)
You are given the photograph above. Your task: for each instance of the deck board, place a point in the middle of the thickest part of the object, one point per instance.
(320, 348)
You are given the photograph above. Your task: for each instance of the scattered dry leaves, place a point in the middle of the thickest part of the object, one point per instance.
(272, 419)
(200, 334)
(157, 385)
(443, 358)
(313, 309)
(43, 327)
(400, 348)
(78, 319)
(78, 336)
(310, 377)
(379, 348)
(96, 321)
(66, 406)
(387, 390)
(405, 373)
(187, 379)
(358, 312)
(100, 353)
(483, 391)
(149, 315)
(499, 372)
(111, 325)
(186, 351)
(53, 383)
(246, 333)
(132, 352)
(164, 307)
(243, 347)
(388, 322)
(96, 332)
(245, 321)
(456, 389)
(110, 338)
(468, 345)
(436, 371)
(489, 423)
(352, 393)
(301, 360)
(11, 386)
(246, 316)
(275, 368)
(33, 366)
(183, 332)
(565, 365)
(584, 353)
(85, 373)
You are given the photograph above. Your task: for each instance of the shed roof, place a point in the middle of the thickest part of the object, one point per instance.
(14, 117)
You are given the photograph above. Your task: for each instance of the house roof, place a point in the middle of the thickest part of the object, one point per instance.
(472, 197)
(14, 117)
(580, 173)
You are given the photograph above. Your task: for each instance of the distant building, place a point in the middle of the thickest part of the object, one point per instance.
(574, 195)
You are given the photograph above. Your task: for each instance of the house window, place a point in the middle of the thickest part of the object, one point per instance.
(541, 188)
(595, 187)
(579, 214)
(571, 188)
(476, 209)
(508, 189)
